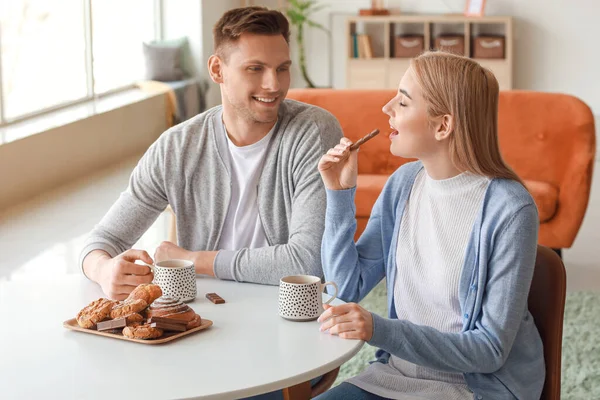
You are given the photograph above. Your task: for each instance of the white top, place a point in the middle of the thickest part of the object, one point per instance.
(249, 350)
(434, 233)
(242, 227)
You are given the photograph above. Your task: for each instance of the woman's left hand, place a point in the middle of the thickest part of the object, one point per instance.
(348, 321)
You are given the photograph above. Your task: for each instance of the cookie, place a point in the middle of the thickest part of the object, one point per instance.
(94, 312)
(147, 292)
(127, 307)
(134, 318)
(144, 332)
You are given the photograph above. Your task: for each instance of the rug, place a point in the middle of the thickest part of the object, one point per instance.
(580, 352)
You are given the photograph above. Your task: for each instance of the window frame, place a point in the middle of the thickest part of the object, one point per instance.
(91, 95)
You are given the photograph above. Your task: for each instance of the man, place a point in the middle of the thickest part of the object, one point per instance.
(241, 178)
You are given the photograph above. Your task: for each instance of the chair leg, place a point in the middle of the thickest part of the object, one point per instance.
(559, 252)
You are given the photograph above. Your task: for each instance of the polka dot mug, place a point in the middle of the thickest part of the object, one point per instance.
(176, 278)
(300, 297)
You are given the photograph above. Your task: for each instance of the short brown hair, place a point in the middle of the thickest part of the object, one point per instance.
(257, 20)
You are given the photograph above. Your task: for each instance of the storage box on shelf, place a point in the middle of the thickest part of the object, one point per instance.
(381, 46)
(488, 47)
(408, 46)
(451, 43)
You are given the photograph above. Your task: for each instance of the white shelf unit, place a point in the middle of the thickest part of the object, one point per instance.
(384, 71)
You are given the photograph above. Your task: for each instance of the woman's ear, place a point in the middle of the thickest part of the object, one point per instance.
(215, 69)
(445, 128)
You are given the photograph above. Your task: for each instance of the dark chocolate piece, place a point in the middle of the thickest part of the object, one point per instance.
(215, 298)
(364, 139)
(169, 327)
(166, 320)
(111, 324)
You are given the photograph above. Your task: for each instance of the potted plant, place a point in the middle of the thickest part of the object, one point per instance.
(299, 13)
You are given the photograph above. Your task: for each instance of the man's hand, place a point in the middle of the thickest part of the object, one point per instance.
(170, 251)
(203, 260)
(348, 321)
(118, 276)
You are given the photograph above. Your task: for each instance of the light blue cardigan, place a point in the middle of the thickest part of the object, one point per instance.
(499, 350)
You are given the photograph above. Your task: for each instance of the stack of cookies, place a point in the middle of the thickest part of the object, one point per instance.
(134, 314)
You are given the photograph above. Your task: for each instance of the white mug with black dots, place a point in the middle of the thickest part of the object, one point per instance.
(176, 278)
(300, 297)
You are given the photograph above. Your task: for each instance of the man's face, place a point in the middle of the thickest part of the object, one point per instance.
(256, 76)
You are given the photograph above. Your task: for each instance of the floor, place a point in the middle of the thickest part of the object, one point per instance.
(43, 237)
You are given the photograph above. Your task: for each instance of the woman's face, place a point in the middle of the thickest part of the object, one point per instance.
(413, 136)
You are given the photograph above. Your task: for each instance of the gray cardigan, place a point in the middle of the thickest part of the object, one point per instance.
(188, 168)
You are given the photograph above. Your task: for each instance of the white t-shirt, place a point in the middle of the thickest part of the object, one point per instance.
(243, 228)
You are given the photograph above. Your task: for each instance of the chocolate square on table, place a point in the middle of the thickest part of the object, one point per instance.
(215, 298)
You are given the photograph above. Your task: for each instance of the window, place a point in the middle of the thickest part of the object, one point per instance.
(43, 54)
(57, 52)
(119, 29)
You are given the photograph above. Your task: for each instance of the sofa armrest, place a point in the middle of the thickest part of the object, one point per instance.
(574, 192)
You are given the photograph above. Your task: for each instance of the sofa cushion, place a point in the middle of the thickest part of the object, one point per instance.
(162, 63)
(545, 196)
(186, 60)
(369, 187)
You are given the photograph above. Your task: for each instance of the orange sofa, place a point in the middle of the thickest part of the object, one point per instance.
(548, 139)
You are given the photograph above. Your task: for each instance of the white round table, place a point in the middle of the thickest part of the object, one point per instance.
(249, 349)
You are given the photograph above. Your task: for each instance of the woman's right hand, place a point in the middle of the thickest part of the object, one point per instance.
(339, 166)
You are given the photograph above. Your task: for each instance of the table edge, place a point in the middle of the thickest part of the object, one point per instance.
(284, 383)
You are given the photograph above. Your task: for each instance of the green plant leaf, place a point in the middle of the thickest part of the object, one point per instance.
(317, 7)
(304, 5)
(295, 17)
(316, 25)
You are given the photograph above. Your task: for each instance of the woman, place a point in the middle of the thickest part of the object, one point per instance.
(455, 236)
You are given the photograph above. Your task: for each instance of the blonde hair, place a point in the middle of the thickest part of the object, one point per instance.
(462, 88)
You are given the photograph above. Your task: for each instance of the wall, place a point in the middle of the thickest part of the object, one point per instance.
(212, 10)
(552, 39)
(184, 18)
(41, 162)
(195, 19)
(553, 42)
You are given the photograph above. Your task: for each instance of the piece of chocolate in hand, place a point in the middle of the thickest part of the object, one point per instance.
(111, 324)
(364, 139)
(215, 298)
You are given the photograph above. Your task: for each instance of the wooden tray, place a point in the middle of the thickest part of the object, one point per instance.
(167, 337)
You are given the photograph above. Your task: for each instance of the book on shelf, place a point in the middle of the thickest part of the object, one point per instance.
(361, 46)
(366, 46)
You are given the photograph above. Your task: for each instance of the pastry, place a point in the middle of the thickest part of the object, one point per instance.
(147, 292)
(144, 332)
(169, 307)
(196, 322)
(94, 312)
(127, 308)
